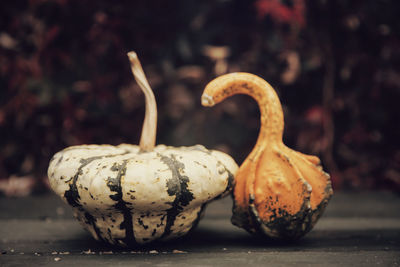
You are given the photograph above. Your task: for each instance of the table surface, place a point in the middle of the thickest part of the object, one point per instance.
(358, 229)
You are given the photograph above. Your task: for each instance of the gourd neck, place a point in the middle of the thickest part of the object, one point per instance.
(271, 129)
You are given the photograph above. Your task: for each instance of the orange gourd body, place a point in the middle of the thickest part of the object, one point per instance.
(278, 192)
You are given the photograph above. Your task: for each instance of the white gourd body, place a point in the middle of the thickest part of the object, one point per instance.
(126, 197)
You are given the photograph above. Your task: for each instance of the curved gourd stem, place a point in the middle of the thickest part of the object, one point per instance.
(252, 85)
(148, 137)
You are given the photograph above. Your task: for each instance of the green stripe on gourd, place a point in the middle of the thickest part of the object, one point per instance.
(128, 194)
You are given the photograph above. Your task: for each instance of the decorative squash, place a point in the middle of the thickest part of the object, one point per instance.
(278, 192)
(128, 194)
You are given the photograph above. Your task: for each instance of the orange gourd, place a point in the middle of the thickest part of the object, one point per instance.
(278, 192)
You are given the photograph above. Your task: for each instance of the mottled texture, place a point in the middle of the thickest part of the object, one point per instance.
(124, 196)
(278, 192)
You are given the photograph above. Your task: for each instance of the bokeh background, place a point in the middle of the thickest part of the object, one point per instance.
(65, 80)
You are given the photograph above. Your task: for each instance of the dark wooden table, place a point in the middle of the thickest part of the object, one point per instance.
(358, 229)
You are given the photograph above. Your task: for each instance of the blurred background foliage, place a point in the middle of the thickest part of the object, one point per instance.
(65, 80)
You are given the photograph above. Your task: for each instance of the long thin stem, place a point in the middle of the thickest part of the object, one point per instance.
(149, 130)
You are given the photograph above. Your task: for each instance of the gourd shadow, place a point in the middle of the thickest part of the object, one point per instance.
(204, 239)
(208, 238)
(200, 239)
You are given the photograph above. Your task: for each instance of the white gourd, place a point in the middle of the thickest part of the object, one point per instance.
(128, 194)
